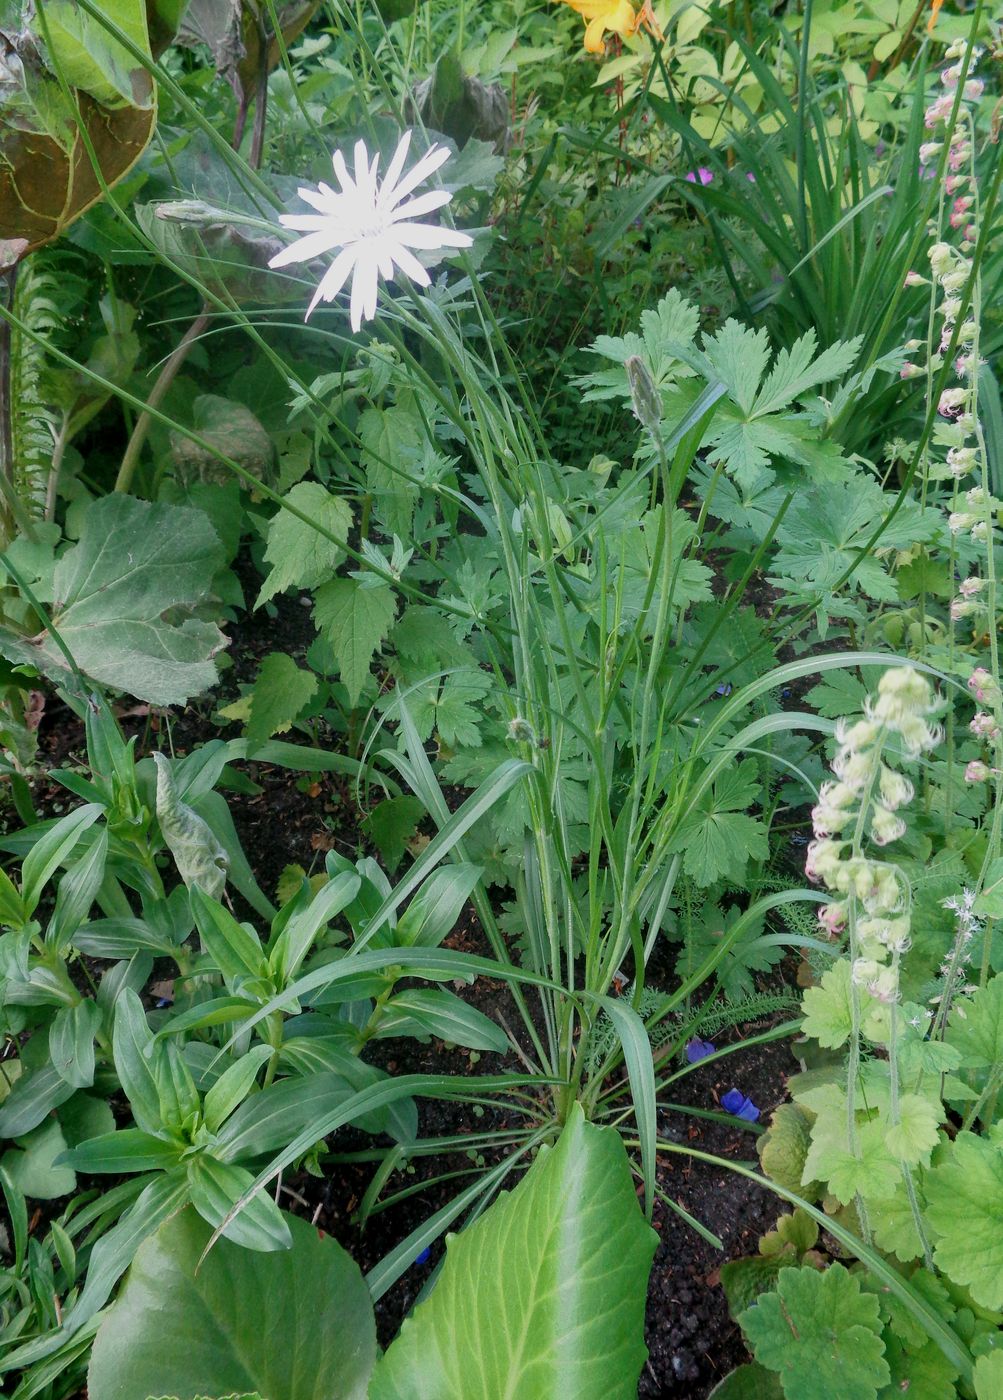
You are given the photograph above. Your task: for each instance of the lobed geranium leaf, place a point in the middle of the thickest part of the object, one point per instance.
(816, 1327)
(964, 1200)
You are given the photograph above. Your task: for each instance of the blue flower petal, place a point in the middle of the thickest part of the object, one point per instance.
(697, 1049)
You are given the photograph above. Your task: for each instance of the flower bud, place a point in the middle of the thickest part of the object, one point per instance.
(977, 771)
(885, 826)
(895, 789)
(643, 393)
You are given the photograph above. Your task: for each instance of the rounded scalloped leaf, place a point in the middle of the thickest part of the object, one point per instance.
(964, 1205)
(817, 1327)
(783, 1150)
(989, 1376)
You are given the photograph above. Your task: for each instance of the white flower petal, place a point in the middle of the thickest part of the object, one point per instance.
(306, 223)
(312, 246)
(323, 199)
(396, 163)
(429, 163)
(428, 236)
(344, 179)
(409, 264)
(363, 287)
(424, 204)
(334, 278)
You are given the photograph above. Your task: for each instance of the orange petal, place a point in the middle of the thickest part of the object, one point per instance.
(934, 12)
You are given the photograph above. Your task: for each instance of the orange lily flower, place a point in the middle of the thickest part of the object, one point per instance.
(614, 17)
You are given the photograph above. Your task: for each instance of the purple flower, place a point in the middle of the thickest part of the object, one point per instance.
(698, 1049)
(734, 1101)
(701, 174)
(424, 1256)
(750, 177)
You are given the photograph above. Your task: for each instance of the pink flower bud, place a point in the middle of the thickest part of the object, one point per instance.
(977, 771)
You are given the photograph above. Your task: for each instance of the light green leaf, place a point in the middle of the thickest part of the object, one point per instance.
(989, 904)
(964, 1198)
(815, 1328)
(31, 1165)
(783, 1149)
(544, 1295)
(916, 1134)
(136, 561)
(88, 56)
(354, 620)
(739, 357)
(282, 691)
(300, 556)
(989, 1377)
(236, 1321)
(976, 1026)
(828, 1015)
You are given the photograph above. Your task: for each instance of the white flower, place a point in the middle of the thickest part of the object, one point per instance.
(370, 225)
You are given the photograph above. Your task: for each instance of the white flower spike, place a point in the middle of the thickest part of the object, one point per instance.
(370, 225)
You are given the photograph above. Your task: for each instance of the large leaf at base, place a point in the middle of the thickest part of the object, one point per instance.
(134, 562)
(544, 1296)
(47, 178)
(239, 1322)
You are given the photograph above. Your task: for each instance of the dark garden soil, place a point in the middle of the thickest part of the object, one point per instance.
(691, 1339)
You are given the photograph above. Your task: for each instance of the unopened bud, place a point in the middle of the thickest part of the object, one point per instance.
(643, 393)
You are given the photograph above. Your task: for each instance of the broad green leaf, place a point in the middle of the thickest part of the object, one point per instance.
(827, 1011)
(869, 1169)
(233, 947)
(391, 824)
(989, 1376)
(135, 1061)
(77, 892)
(435, 908)
(354, 620)
(989, 904)
(424, 1011)
(282, 690)
(393, 440)
(783, 1149)
(293, 1325)
(918, 1370)
(52, 849)
(90, 58)
(198, 855)
(976, 1026)
(817, 1328)
(916, 1134)
(47, 178)
(136, 562)
(33, 1164)
(750, 1382)
(71, 1042)
(216, 1186)
(300, 556)
(127, 1150)
(544, 1295)
(964, 1205)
